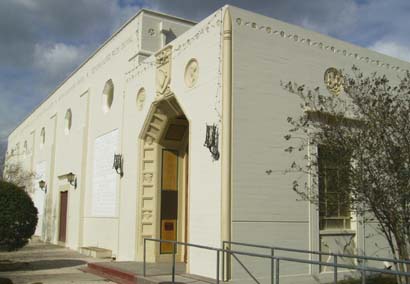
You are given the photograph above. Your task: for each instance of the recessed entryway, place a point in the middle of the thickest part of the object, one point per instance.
(164, 190)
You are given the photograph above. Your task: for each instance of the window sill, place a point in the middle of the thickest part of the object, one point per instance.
(337, 232)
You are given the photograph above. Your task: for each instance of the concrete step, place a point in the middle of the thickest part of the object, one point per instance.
(96, 252)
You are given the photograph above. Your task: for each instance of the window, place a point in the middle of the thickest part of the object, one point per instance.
(25, 149)
(42, 137)
(108, 95)
(334, 197)
(67, 121)
(140, 98)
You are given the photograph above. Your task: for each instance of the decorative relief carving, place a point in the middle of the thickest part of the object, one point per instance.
(149, 140)
(140, 98)
(296, 38)
(151, 32)
(334, 81)
(149, 63)
(146, 216)
(148, 177)
(163, 73)
(191, 73)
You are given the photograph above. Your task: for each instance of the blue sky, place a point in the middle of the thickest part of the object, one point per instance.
(42, 41)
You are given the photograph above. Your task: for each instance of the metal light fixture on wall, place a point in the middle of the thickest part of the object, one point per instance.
(72, 179)
(211, 140)
(118, 164)
(43, 186)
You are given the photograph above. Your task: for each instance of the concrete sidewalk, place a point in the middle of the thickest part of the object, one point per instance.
(130, 272)
(40, 262)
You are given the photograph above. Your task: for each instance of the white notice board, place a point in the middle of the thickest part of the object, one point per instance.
(104, 185)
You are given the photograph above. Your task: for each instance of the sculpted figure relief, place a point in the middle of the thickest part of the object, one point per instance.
(334, 81)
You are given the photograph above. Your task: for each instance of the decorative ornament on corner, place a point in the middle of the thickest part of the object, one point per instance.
(163, 71)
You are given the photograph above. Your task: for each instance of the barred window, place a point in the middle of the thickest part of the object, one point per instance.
(334, 195)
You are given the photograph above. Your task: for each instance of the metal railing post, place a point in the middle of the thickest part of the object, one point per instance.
(173, 262)
(320, 259)
(272, 265)
(217, 267)
(145, 258)
(363, 274)
(277, 271)
(223, 261)
(335, 269)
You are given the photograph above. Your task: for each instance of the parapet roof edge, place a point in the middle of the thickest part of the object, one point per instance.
(141, 11)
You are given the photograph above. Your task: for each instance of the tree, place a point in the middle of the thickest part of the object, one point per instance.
(18, 216)
(15, 173)
(366, 132)
(3, 149)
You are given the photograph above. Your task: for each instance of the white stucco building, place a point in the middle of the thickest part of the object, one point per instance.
(148, 94)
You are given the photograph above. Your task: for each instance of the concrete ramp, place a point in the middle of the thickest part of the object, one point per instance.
(131, 272)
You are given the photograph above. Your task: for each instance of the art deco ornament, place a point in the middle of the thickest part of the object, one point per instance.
(333, 79)
(163, 72)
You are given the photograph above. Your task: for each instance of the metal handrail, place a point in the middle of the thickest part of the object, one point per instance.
(404, 261)
(275, 259)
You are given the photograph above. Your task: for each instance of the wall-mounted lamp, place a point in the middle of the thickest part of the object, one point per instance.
(72, 179)
(43, 186)
(118, 164)
(211, 140)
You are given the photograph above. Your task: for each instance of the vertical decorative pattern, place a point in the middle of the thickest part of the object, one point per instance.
(226, 127)
(149, 172)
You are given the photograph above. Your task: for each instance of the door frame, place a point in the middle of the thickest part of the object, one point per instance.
(62, 191)
(163, 111)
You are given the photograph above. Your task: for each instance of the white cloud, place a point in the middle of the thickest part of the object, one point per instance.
(30, 4)
(392, 48)
(58, 58)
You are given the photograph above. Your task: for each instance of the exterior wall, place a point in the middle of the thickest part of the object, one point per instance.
(63, 153)
(264, 208)
(201, 106)
(128, 59)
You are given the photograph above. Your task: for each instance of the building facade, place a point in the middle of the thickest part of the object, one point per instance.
(174, 130)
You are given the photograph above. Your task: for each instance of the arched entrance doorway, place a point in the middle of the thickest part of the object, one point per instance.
(163, 187)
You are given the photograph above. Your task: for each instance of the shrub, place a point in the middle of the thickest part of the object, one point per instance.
(18, 217)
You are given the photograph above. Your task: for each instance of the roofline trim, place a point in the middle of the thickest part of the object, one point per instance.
(123, 26)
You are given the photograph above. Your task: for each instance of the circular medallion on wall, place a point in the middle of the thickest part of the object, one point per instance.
(333, 79)
(140, 98)
(191, 73)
